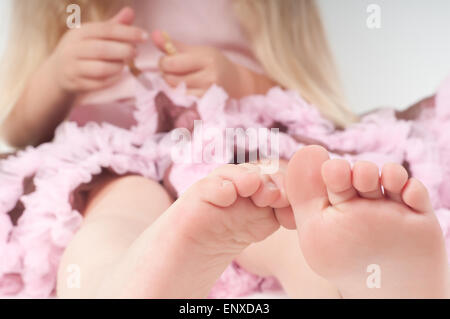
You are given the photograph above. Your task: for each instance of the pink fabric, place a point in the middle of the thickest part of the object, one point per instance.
(30, 251)
(236, 282)
(190, 24)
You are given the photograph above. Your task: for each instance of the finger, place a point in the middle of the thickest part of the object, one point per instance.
(166, 44)
(163, 42)
(124, 16)
(193, 80)
(88, 85)
(99, 69)
(106, 50)
(181, 63)
(114, 31)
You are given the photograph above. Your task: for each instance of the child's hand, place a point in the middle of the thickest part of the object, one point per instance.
(200, 67)
(93, 56)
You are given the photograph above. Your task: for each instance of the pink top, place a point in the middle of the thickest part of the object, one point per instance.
(201, 22)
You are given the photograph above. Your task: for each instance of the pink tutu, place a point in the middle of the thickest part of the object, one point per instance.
(30, 249)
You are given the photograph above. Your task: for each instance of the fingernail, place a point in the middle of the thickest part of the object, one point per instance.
(170, 48)
(165, 35)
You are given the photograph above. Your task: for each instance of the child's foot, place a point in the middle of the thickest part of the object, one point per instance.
(186, 250)
(369, 243)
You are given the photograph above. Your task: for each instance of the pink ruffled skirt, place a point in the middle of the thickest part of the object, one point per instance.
(31, 247)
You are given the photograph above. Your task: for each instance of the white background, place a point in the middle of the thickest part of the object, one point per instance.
(396, 65)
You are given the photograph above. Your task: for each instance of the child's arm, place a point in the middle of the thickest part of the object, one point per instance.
(85, 59)
(37, 112)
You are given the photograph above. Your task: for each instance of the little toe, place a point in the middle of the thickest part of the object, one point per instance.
(415, 195)
(337, 175)
(394, 178)
(366, 180)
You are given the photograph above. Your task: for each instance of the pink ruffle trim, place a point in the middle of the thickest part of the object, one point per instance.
(30, 251)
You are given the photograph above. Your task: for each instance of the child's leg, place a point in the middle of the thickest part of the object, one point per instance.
(116, 215)
(280, 256)
(184, 251)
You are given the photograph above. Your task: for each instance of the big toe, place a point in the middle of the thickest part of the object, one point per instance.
(305, 188)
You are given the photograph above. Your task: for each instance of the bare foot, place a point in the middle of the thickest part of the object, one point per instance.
(370, 243)
(185, 251)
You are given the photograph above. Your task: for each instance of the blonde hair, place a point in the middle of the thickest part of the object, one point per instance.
(36, 28)
(289, 41)
(287, 37)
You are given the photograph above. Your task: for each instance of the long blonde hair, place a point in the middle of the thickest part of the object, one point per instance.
(287, 37)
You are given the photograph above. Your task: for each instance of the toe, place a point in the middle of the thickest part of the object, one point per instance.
(280, 204)
(279, 179)
(366, 180)
(282, 207)
(267, 193)
(305, 188)
(415, 195)
(337, 175)
(246, 177)
(217, 191)
(285, 217)
(394, 178)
